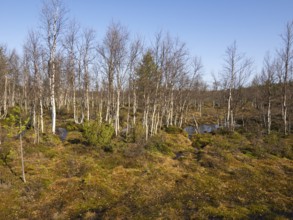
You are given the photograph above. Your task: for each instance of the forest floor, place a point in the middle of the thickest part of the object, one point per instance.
(225, 175)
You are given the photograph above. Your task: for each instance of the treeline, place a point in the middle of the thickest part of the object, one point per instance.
(64, 69)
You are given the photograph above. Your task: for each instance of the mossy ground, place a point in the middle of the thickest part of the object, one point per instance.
(220, 176)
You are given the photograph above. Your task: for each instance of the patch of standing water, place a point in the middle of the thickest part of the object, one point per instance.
(205, 128)
(62, 133)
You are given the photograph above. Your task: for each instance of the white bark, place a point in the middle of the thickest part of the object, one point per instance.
(128, 113)
(146, 116)
(87, 103)
(53, 18)
(236, 71)
(287, 57)
(74, 103)
(41, 116)
(134, 108)
(52, 97)
(269, 116)
(229, 111)
(21, 155)
(153, 121)
(117, 123)
(5, 95)
(35, 123)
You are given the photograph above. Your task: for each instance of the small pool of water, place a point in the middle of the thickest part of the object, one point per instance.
(62, 133)
(205, 128)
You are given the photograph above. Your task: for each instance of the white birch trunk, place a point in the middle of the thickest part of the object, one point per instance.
(134, 108)
(41, 116)
(87, 104)
(74, 105)
(146, 123)
(5, 96)
(21, 155)
(153, 121)
(285, 114)
(171, 108)
(128, 114)
(269, 116)
(117, 112)
(52, 95)
(101, 111)
(229, 109)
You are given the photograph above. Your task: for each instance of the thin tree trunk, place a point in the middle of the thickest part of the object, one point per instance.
(232, 121)
(196, 125)
(269, 116)
(38, 129)
(52, 95)
(146, 115)
(157, 122)
(107, 111)
(128, 114)
(200, 108)
(74, 105)
(41, 115)
(171, 107)
(35, 123)
(117, 112)
(87, 98)
(21, 156)
(134, 108)
(229, 110)
(101, 111)
(87, 104)
(5, 96)
(13, 94)
(153, 121)
(285, 113)
(25, 92)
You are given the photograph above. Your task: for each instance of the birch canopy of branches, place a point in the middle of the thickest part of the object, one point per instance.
(121, 81)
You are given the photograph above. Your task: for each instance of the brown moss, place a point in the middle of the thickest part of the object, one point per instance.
(218, 181)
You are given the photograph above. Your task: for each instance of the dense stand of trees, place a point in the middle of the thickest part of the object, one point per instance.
(64, 69)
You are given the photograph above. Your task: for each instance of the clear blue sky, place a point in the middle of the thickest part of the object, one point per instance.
(206, 26)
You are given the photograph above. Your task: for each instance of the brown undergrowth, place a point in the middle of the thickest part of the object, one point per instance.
(219, 176)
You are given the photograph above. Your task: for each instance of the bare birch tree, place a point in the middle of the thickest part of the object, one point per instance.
(286, 55)
(53, 17)
(237, 69)
(33, 50)
(113, 63)
(14, 72)
(87, 48)
(268, 78)
(70, 45)
(147, 86)
(135, 52)
(4, 78)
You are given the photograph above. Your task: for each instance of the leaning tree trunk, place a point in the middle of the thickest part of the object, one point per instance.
(21, 155)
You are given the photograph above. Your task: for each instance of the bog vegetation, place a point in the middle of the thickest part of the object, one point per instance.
(95, 130)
